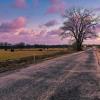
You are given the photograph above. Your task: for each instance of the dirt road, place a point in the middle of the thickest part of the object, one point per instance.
(72, 77)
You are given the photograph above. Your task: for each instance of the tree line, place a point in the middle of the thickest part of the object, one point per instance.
(22, 45)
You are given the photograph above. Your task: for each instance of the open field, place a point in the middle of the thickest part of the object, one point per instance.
(23, 58)
(17, 54)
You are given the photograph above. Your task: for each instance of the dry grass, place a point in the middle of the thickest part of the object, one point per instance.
(98, 55)
(8, 55)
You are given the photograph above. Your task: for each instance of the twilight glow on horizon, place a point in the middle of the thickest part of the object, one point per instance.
(38, 21)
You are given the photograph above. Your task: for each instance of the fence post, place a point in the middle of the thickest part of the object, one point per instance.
(34, 58)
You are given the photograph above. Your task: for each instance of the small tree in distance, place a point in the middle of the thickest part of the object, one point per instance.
(79, 24)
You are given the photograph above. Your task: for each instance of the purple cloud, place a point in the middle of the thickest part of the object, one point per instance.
(51, 23)
(13, 26)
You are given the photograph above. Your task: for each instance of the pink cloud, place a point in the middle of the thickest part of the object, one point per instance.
(20, 3)
(19, 22)
(11, 38)
(33, 36)
(32, 32)
(26, 32)
(48, 40)
(54, 32)
(13, 26)
(57, 6)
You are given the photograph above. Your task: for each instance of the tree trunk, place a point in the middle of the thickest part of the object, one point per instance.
(78, 46)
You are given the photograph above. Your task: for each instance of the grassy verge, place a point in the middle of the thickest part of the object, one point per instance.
(98, 55)
(21, 62)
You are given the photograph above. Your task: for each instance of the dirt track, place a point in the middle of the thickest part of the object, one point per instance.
(73, 77)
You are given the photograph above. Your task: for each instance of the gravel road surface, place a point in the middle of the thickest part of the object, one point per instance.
(70, 77)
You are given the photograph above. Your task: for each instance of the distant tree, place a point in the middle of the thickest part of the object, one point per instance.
(79, 24)
(21, 45)
(12, 49)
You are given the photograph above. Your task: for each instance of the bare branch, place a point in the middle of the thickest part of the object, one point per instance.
(80, 23)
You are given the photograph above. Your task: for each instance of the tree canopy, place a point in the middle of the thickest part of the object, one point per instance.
(79, 24)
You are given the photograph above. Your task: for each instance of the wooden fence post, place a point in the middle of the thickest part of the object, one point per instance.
(34, 58)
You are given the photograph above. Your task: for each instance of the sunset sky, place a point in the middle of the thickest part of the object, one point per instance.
(38, 21)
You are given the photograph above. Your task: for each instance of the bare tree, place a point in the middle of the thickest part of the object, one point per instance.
(79, 24)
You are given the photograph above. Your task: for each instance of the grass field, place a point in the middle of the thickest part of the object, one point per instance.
(8, 55)
(23, 58)
(98, 55)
